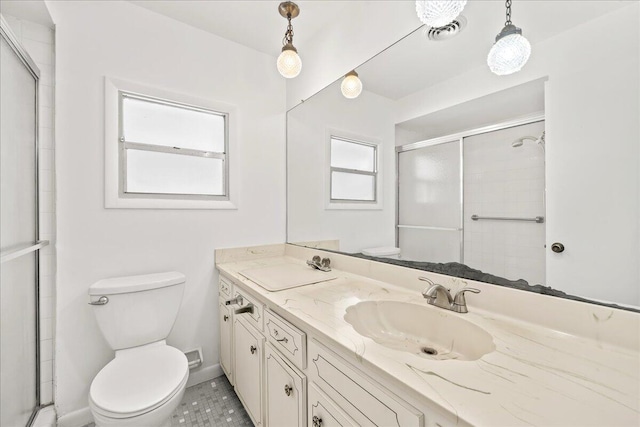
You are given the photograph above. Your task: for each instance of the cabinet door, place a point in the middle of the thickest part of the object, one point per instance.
(286, 392)
(226, 343)
(248, 367)
(323, 412)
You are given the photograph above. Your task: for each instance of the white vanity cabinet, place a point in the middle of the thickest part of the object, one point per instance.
(226, 343)
(225, 321)
(285, 379)
(286, 391)
(249, 350)
(324, 413)
(360, 398)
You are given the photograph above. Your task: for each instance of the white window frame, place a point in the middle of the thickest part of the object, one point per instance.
(115, 145)
(335, 204)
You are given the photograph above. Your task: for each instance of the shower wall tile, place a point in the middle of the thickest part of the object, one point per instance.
(39, 41)
(36, 32)
(46, 392)
(40, 52)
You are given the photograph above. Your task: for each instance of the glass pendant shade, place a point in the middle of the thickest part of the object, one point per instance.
(509, 53)
(289, 63)
(439, 13)
(351, 85)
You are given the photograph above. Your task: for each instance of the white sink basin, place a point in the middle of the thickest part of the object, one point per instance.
(430, 332)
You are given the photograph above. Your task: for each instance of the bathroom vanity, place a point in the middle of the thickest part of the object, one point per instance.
(364, 348)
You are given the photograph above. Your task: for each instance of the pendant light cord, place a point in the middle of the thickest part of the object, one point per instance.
(507, 4)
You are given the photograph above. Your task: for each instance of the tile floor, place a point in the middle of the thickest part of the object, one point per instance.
(209, 404)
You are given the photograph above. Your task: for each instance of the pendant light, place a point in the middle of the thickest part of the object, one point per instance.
(289, 63)
(511, 50)
(351, 85)
(439, 13)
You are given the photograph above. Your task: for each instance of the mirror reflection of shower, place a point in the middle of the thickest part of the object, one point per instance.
(520, 141)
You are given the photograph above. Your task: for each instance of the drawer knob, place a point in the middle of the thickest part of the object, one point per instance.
(317, 422)
(253, 349)
(288, 390)
(226, 317)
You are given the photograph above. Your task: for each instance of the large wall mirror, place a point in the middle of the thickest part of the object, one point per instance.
(529, 180)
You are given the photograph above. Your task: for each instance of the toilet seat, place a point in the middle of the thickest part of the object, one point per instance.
(138, 381)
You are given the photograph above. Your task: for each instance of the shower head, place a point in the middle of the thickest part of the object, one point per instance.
(520, 141)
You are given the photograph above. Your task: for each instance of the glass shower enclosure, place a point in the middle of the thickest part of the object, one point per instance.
(19, 244)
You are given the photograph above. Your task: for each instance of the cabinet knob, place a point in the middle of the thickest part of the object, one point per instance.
(317, 422)
(226, 317)
(288, 390)
(557, 247)
(253, 349)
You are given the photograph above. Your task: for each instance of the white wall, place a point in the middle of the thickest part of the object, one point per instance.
(121, 40)
(592, 110)
(38, 40)
(369, 117)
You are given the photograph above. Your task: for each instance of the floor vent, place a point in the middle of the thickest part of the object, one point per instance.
(194, 357)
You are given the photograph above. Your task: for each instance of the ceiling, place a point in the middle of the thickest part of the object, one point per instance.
(435, 61)
(519, 101)
(256, 24)
(32, 10)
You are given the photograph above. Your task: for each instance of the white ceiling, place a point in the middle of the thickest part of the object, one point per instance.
(256, 24)
(433, 62)
(518, 101)
(32, 10)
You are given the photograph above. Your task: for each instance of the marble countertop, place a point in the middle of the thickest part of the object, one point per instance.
(535, 376)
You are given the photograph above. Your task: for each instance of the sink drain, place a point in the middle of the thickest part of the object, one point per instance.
(430, 351)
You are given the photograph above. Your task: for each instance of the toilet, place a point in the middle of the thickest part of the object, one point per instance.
(145, 382)
(383, 252)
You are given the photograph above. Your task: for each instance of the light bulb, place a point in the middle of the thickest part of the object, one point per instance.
(509, 53)
(439, 13)
(289, 63)
(351, 85)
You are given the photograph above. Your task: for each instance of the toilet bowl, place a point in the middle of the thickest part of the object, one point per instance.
(140, 387)
(383, 252)
(146, 380)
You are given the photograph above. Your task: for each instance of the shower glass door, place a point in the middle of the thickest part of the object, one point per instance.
(430, 202)
(19, 365)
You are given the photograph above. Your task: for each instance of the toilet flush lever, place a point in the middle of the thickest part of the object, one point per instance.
(101, 301)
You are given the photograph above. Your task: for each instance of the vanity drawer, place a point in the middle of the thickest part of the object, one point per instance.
(225, 288)
(255, 318)
(361, 399)
(323, 412)
(291, 341)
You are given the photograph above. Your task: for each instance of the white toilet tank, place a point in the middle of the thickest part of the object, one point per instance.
(139, 309)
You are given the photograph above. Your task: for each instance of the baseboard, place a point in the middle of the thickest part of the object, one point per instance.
(78, 418)
(204, 374)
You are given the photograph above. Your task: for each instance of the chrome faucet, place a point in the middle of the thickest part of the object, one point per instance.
(322, 264)
(440, 296)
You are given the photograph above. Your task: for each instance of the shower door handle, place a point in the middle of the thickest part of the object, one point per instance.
(101, 301)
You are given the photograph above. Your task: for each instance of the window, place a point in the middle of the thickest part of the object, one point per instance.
(168, 150)
(353, 171)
